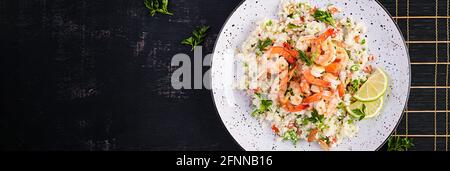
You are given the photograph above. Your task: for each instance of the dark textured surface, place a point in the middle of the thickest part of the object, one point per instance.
(95, 75)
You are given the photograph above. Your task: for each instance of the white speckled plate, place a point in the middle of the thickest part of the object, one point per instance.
(233, 106)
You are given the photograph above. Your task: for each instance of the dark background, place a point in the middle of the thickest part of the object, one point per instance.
(95, 75)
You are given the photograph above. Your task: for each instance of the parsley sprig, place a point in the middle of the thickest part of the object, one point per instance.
(305, 58)
(291, 135)
(354, 85)
(263, 44)
(264, 105)
(324, 16)
(361, 113)
(399, 144)
(316, 117)
(155, 6)
(198, 36)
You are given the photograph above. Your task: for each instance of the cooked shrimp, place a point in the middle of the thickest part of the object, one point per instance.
(314, 98)
(288, 53)
(284, 80)
(285, 77)
(281, 65)
(305, 87)
(313, 80)
(341, 55)
(297, 108)
(332, 104)
(315, 89)
(296, 96)
(329, 54)
(327, 95)
(334, 68)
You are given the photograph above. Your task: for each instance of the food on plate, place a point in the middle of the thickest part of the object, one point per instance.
(309, 74)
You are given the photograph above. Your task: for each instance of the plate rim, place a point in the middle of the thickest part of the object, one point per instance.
(391, 20)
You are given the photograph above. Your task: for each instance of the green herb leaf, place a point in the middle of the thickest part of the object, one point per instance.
(341, 106)
(289, 91)
(198, 36)
(314, 55)
(360, 112)
(354, 68)
(316, 117)
(324, 16)
(263, 44)
(155, 6)
(264, 105)
(269, 23)
(399, 144)
(350, 121)
(292, 26)
(354, 85)
(349, 53)
(305, 58)
(363, 41)
(291, 135)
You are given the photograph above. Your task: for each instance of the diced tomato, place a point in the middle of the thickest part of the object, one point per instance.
(341, 89)
(356, 38)
(312, 135)
(275, 129)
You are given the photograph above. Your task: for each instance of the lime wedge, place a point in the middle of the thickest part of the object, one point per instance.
(375, 86)
(372, 109)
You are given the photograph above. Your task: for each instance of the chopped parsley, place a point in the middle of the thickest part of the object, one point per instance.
(305, 58)
(264, 105)
(363, 41)
(292, 26)
(314, 55)
(354, 85)
(350, 121)
(316, 117)
(291, 135)
(290, 91)
(349, 53)
(354, 68)
(325, 139)
(263, 44)
(324, 16)
(341, 106)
